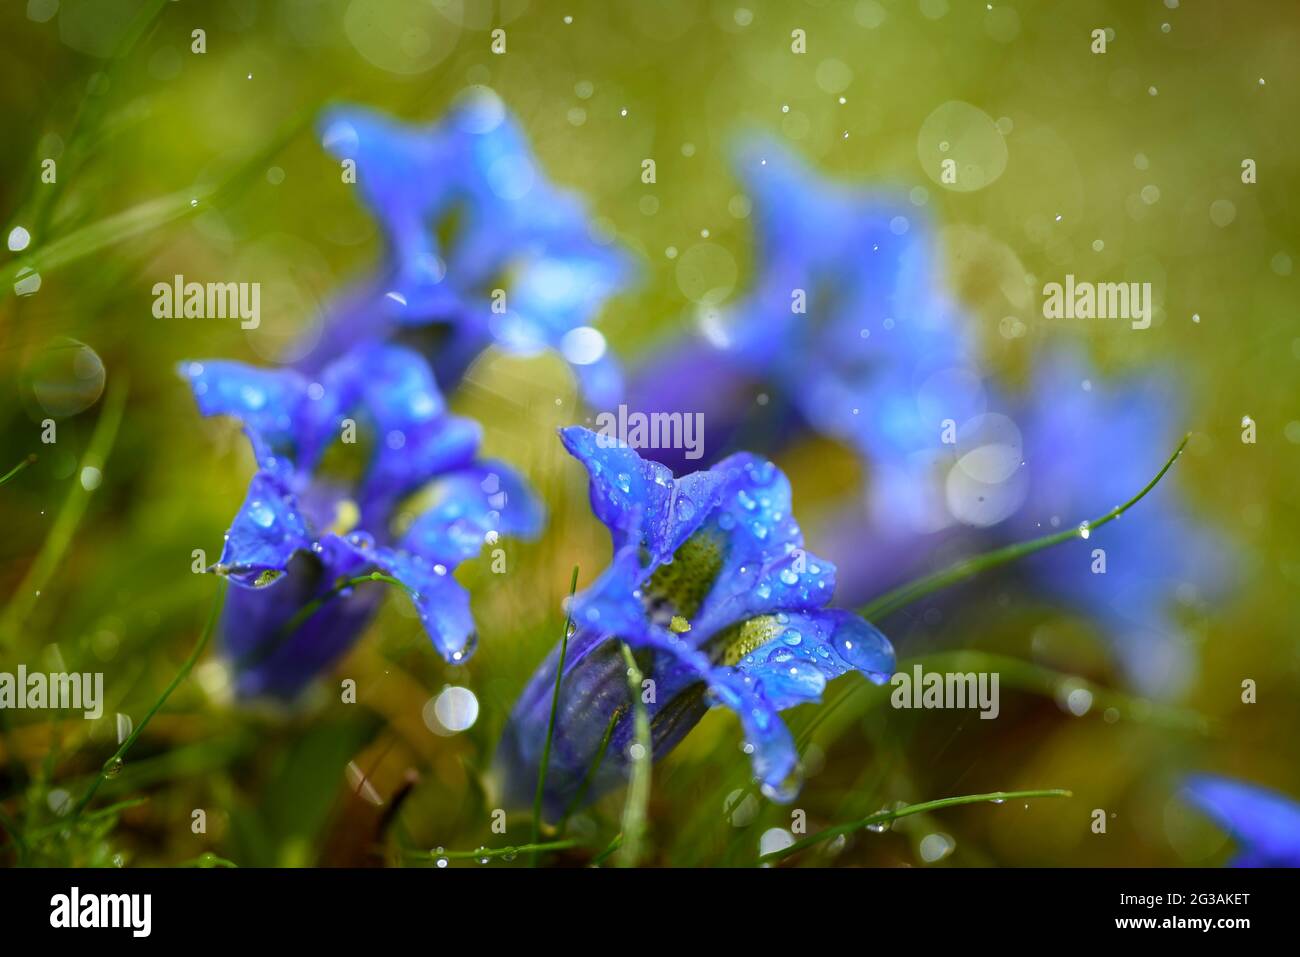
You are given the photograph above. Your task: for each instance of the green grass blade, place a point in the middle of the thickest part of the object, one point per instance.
(638, 787)
(555, 707)
(884, 817)
(113, 765)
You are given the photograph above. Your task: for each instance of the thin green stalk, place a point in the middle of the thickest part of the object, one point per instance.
(555, 707)
(610, 848)
(638, 787)
(69, 517)
(487, 853)
(883, 817)
(590, 776)
(893, 600)
(18, 468)
(113, 765)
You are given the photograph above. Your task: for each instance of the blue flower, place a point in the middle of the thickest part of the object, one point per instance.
(846, 321)
(466, 212)
(711, 586)
(1073, 447)
(340, 492)
(1265, 824)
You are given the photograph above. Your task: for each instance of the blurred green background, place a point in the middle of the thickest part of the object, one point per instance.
(139, 126)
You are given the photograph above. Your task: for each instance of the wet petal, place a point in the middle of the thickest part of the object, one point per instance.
(473, 507)
(265, 534)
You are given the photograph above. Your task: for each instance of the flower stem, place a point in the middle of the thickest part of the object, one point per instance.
(555, 707)
(638, 788)
(883, 817)
(907, 593)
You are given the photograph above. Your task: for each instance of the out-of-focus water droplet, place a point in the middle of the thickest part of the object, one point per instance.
(740, 808)
(66, 377)
(774, 839)
(961, 147)
(60, 801)
(935, 847)
(124, 727)
(456, 708)
(27, 282)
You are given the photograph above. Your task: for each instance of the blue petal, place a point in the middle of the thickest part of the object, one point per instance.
(473, 507)
(441, 602)
(811, 648)
(639, 500)
(267, 402)
(769, 743)
(409, 177)
(764, 566)
(266, 532)
(1267, 824)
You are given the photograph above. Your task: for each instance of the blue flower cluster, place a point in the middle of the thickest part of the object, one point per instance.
(847, 332)
(325, 508)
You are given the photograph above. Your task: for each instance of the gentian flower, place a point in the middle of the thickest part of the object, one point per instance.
(846, 322)
(315, 515)
(711, 586)
(1265, 824)
(1073, 447)
(481, 249)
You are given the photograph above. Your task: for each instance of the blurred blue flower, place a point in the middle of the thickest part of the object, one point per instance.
(847, 322)
(1265, 824)
(1090, 444)
(710, 585)
(482, 249)
(1073, 446)
(339, 492)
